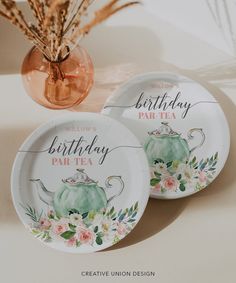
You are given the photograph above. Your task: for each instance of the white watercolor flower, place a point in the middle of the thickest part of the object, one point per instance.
(186, 171)
(97, 220)
(105, 226)
(76, 219)
(161, 168)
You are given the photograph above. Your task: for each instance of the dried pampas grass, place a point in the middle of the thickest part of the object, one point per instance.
(59, 24)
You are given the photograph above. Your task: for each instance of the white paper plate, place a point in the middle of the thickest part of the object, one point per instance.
(80, 183)
(181, 127)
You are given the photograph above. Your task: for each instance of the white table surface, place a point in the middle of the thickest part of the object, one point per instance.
(185, 240)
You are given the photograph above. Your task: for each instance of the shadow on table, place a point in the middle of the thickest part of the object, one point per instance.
(10, 141)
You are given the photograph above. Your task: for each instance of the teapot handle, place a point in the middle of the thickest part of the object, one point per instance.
(190, 136)
(109, 185)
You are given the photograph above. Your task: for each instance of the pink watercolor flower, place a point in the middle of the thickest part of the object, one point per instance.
(71, 242)
(202, 177)
(121, 229)
(59, 228)
(157, 188)
(171, 183)
(45, 224)
(86, 237)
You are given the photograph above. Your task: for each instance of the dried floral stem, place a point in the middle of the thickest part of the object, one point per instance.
(59, 23)
(101, 15)
(4, 15)
(51, 13)
(36, 8)
(76, 18)
(17, 18)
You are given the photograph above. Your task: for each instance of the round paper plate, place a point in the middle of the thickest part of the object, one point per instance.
(80, 183)
(181, 127)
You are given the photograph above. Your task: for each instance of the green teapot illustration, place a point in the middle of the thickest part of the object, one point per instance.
(167, 145)
(78, 193)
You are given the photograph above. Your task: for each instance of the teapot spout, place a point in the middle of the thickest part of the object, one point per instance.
(44, 195)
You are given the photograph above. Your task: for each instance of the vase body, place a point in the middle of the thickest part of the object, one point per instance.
(58, 85)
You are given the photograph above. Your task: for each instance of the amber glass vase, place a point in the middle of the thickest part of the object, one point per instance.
(58, 85)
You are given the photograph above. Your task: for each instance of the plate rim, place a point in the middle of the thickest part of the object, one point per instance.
(44, 127)
(145, 76)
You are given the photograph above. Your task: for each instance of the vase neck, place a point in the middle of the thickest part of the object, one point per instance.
(61, 57)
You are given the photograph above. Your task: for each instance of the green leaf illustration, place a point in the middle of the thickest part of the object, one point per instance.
(42, 235)
(134, 214)
(68, 235)
(211, 160)
(136, 206)
(100, 234)
(130, 211)
(84, 215)
(154, 182)
(45, 236)
(112, 210)
(163, 190)
(200, 163)
(99, 241)
(32, 213)
(214, 164)
(182, 187)
(113, 216)
(73, 210)
(195, 165)
(96, 229)
(51, 216)
(203, 165)
(72, 227)
(157, 174)
(169, 164)
(116, 240)
(158, 160)
(122, 216)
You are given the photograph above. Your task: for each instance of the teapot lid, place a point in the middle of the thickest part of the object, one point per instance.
(164, 130)
(80, 177)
